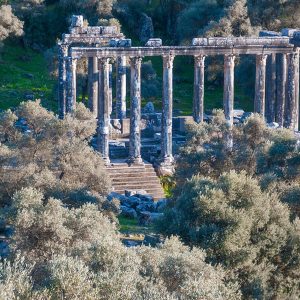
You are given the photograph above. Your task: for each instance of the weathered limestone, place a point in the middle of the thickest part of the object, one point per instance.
(110, 88)
(93, 84)
(292, 105)
(71, 84)
(270, 88)
(198, 105)
(260, 84)
(228, 96)
(121, 88)
(62, 77)
(167, 112)
(135, 112)
(281, 76)
(103, 109)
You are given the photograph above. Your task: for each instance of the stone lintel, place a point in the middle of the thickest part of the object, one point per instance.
(78, 52)
(267, 33)
(273, 40)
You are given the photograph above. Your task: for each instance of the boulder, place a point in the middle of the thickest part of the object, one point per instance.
(273, 125)
(149, 108)
(147, 218)
(128, 212)
(145, 197)
(114, 195)
(146, 206)
(161, 205)
(133, 202)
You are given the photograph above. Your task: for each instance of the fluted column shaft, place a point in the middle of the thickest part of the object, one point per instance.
(135, 111)
(121, 88)
(228, 96)
(167, 110)
(270, 87)
(281, 87)
(93, 84)
(62, 76)
(103, 108)
(260, 84)
(199, 88)
(292, 105)
(71, 84)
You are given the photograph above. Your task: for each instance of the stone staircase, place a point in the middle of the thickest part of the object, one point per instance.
(142, 177)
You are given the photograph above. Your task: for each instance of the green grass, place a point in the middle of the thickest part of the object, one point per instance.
(17, 64)
(183, 86)
(131, 226)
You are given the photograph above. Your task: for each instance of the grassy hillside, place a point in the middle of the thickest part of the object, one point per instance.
(24, 75)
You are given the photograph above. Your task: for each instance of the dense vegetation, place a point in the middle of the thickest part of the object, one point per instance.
(234, 204)
(65, 243)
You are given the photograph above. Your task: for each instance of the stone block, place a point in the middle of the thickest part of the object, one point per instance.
(264, 33)
(77, 21)
(288, 32)
(124, 43)
(154, 43)
(183, 121)
(105, 30)
(125, 126)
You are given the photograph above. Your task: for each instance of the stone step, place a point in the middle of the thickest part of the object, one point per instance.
(135, 177)
(128, 174)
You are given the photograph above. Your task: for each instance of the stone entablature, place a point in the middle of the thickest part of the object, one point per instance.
(276, 89)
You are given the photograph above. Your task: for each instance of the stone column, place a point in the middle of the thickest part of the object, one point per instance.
(62, 76)
(121, 88)
(110, 88)
(103, 108)
(260, 84)
(135, 112)
(167, 111)
(270, 88)
(93, 84)
(198, 107)
(292, 105)
(228, 96)
(281, 86)
(71, 85)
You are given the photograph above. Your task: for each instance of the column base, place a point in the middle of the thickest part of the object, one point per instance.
(106, 161)
(135, 161)
(165, 166)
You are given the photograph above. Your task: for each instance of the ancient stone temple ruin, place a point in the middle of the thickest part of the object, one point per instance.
(276, 88)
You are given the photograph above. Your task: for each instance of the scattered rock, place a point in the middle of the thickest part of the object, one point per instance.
(147, 218)
(28, 75)
(128, 212)
(29, 96)
(273, 125)
(161, 205)
(149, 108)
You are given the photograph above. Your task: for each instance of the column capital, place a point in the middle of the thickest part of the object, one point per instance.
(136, 61)
(199, 60)
(229, 59)
(168, 61)
(104, 61)
(262, 59)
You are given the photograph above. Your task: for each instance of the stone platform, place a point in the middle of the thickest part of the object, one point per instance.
(135, 177)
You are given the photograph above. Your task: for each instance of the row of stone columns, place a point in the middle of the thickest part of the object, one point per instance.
(286, 91)
(280, 102)
(104, 100)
